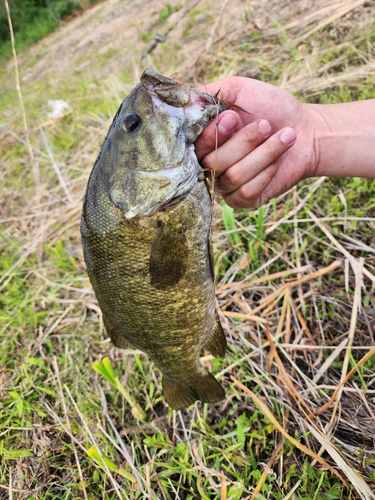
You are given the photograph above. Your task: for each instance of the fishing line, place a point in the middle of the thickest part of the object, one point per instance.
(213, 171)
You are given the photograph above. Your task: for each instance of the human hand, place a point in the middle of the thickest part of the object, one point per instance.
(260, 155)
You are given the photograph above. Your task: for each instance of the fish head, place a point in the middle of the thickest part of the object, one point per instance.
(150, 144)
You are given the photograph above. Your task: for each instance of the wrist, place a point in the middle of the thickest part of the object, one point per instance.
(319, 126)
(343, 138)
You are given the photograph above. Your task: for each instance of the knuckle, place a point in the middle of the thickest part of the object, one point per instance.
(269, 153)
(252, 134)
(202, 146)
(246, 197)
(228, 180)
(208, 161)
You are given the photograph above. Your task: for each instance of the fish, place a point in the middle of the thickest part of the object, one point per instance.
(146, 236)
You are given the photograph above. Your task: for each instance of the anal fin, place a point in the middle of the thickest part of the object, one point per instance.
(204, 388)
(217, 343)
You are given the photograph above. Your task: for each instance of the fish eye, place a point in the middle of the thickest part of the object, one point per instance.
(131, 122)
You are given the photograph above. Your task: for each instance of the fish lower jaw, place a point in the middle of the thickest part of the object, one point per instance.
(130, 214)
(161, 206)
(144, 209)
(138, 212)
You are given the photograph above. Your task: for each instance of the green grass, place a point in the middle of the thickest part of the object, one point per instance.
(159, 22)
(54, 406)
(33, 20)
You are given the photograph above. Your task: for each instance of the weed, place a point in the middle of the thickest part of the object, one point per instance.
(167, 11)
(34, 19)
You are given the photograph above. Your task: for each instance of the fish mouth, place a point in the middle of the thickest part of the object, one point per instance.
(199, 98)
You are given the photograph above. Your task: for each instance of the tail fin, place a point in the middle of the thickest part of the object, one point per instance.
(204, 388)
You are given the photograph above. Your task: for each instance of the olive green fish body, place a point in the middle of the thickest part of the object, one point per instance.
(148, 251)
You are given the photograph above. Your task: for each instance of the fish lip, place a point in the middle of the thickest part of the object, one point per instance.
(198, 97)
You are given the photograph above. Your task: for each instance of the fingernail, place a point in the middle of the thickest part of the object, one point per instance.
(288, 136)
(265, 127)
(227, 123)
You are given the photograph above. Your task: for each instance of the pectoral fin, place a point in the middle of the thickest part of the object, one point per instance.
(168, 257)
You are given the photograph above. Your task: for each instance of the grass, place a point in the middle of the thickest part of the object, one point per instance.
(288, 285)
(33, 22)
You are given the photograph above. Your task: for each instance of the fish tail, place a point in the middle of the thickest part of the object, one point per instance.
(204, 388)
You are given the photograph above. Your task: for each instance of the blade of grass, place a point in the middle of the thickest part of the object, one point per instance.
(116, 486)
(342, 382)
(274, 421)
(56, 368)
(20, 98)
(359, 484)
(104, 367)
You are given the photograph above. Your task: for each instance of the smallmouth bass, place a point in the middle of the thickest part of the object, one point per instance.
(146, 232)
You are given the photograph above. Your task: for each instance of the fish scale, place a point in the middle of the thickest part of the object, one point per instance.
(146, 241)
